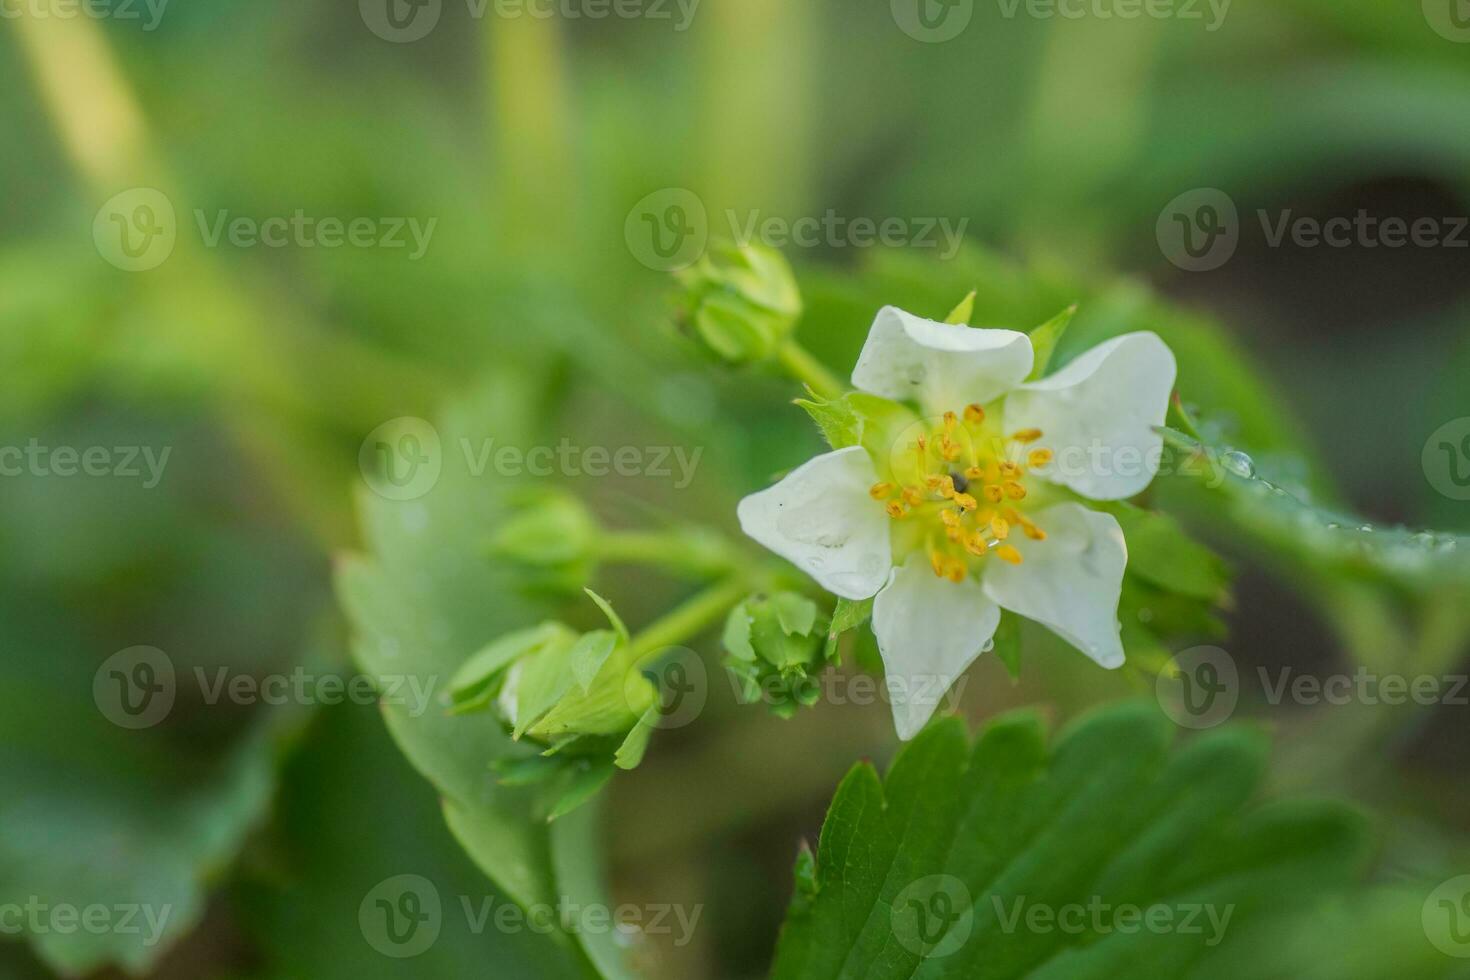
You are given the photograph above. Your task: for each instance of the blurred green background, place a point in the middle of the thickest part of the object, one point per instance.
(528, 141)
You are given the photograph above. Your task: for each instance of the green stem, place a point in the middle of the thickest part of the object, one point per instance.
(801, 365)
(694, 552)
(688, 619)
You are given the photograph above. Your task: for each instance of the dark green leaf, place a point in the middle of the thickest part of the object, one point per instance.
(934, 871)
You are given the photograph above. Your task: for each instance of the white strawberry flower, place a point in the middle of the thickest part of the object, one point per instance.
(922, 518)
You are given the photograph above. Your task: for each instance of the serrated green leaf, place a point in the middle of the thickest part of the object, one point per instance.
(424, 591)
(1108, 815)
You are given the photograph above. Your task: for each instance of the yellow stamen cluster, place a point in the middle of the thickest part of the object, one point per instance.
(971, 484)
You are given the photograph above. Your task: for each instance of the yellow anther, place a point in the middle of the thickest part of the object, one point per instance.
(879, 491)
(950, 421)
(948, 449)
(966, 501)
(975, 544)
(955, 571)
(912, 496)
(1015, 491)
(974, 414)
(994, 494)
(954, 533)
(950, 518)
(896, 509)
(1008, 553)
(1038, 457)
(1034, 533)
(1010, 471)
(1000, 528)
(1026, 435)
(974, 473)
(936, 562)
(946, 487)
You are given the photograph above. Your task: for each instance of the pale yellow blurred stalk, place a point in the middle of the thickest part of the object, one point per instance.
(267, 374)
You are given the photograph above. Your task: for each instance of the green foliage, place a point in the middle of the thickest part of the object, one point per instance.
(420, 604)
(352, 815)
(935, 870)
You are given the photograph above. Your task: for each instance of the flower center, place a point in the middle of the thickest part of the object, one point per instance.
(963, 492)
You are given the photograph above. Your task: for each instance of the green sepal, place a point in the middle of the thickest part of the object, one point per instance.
(589, 654)
(961, 314)
(1044, 340)
(525, 771)
(849, 614)
(481, 672)
(1007, 644)
(584, 784)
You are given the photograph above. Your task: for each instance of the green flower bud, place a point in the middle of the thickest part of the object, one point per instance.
(776, 650)
(741, 301)
(551, 537)
(577, 695)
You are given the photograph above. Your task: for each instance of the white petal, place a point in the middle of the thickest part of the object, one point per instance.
(1097, 415)
(1069, 583)
(943, 366)
(929, 630)
(821, 519)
